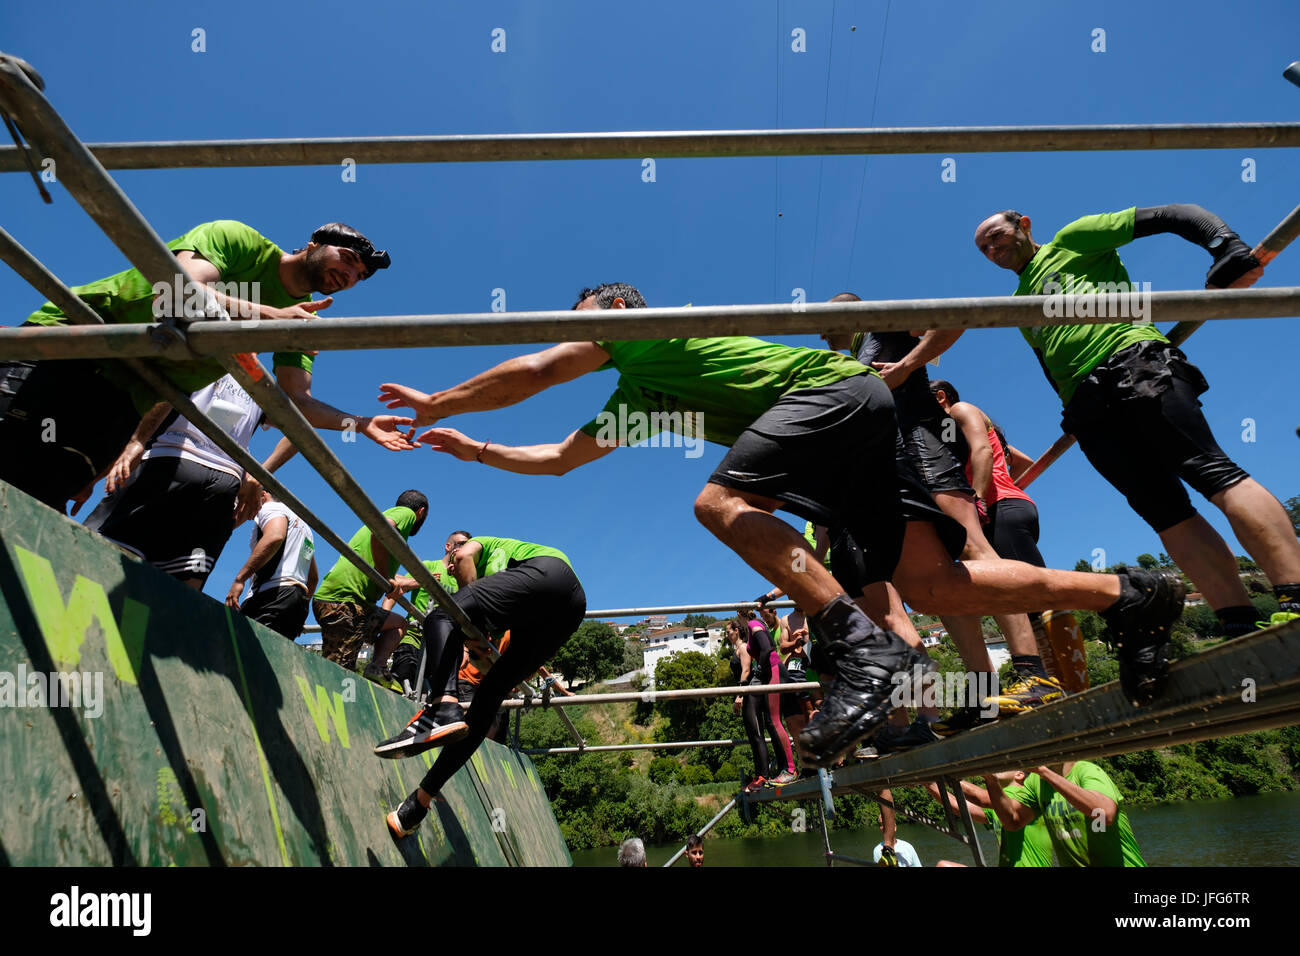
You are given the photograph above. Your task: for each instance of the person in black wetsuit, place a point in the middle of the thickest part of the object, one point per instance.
(747, 705)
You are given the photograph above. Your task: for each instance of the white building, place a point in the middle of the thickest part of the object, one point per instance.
(700, 640)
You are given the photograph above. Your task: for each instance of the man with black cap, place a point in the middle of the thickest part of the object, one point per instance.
(62, 423)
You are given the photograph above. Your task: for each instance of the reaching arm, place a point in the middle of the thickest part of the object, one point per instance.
(380, 554)
(973, 794)
(1234, 266)
(506, 384)
(130, 456)
(201, 270)
(888, 820)
(556, 459)
(273, 535)
(313, 576)
(933, 344)
(381, 429)
(249, 497)
(1087, 802)
(464, 561)
(1012, 814)
(971, 421)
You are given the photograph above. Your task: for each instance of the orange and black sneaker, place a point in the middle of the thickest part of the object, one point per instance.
(755, 785)
(1025, 693)
(435, 725)
(403, 821)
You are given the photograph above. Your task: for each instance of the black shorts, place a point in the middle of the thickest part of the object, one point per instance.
(283, 609)
(61, 424)
(833, 455)
(177, 513)
(1138, 420)
(934, 461)
(539, 601)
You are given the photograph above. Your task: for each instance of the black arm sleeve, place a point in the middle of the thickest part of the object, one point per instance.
(1183, 219)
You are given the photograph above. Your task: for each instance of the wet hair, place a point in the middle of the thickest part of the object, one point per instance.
(693, 841)
(607, 293)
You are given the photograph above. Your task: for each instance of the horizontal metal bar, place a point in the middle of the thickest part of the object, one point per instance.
(515, 328)
(614, 748)
(680, 144)
(688, 609)
(1203, 700)
(654, 696)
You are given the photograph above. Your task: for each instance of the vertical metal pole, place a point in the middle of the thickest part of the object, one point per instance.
(519, 713)
(976, 850)
(943, 802)
(826, 834)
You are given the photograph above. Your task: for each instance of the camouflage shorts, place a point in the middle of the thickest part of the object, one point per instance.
(346, 627)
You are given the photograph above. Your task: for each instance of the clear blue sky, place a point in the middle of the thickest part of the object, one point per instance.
(706, 231)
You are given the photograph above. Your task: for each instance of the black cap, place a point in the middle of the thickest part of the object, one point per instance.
(339, 234)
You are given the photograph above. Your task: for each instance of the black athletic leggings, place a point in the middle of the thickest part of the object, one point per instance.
(541, 603)
(751, 711)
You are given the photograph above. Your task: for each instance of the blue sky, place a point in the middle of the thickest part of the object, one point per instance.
(705, 231)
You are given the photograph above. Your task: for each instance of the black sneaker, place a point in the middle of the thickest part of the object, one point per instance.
(887, 857)
(866, 659)
(964, 718)
(435, 725)
(403, 821)
(1138, 623)
(890, 739)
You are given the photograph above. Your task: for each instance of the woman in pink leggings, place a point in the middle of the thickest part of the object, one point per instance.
(763, 653)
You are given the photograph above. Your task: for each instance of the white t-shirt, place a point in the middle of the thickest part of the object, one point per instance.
(230, 407)
(293, 562)
(905, 852)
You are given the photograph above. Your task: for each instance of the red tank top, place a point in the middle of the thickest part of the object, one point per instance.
(1003, 486)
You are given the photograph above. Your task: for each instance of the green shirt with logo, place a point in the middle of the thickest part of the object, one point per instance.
(724, 384)
(1080, 839)
(497, 554)
(1029, 846)
(1081, 259)
(346, 582)
(239, 253)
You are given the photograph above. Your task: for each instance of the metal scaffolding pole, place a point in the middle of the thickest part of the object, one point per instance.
(681, 144)
(687, 609)
(615, 748)
(95, 190)
(654, 696)
(516, 328)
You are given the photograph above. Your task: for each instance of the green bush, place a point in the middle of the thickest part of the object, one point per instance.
(664, 770)
(726, 772)
(693, 774)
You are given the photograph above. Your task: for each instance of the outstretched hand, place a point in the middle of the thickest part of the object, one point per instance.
(894, 373)
(403, 396)
(386, 430)
(452, 442)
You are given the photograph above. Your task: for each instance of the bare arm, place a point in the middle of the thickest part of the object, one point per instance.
(273, 535)
(201, 270)
(249, 497)
(1087, 802)
(313, 576)
(465, 555)
(381, 429)
(1012, 814)
(1019, 463)
(971, 421)
(933, 344)
(130, 456)
(506, 384)
(888, 820)
(380, 553)
(973, 794)
(555, 459)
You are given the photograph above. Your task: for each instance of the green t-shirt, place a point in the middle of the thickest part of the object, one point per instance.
(240, 254)
(1029, 846)
(810, 535)
(420, 600)
(1081, 259)
(346, 582)
(497, 554)
(1075, 836)
(723, 384)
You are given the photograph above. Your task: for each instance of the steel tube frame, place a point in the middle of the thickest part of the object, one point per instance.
(615, 748)
(216, 338)
(680, 144)
(654, 696)
(101, 197)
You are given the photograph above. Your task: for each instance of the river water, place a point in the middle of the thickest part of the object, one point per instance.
(1243, 831)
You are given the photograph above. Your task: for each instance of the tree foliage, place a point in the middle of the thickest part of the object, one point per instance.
(594, 652)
